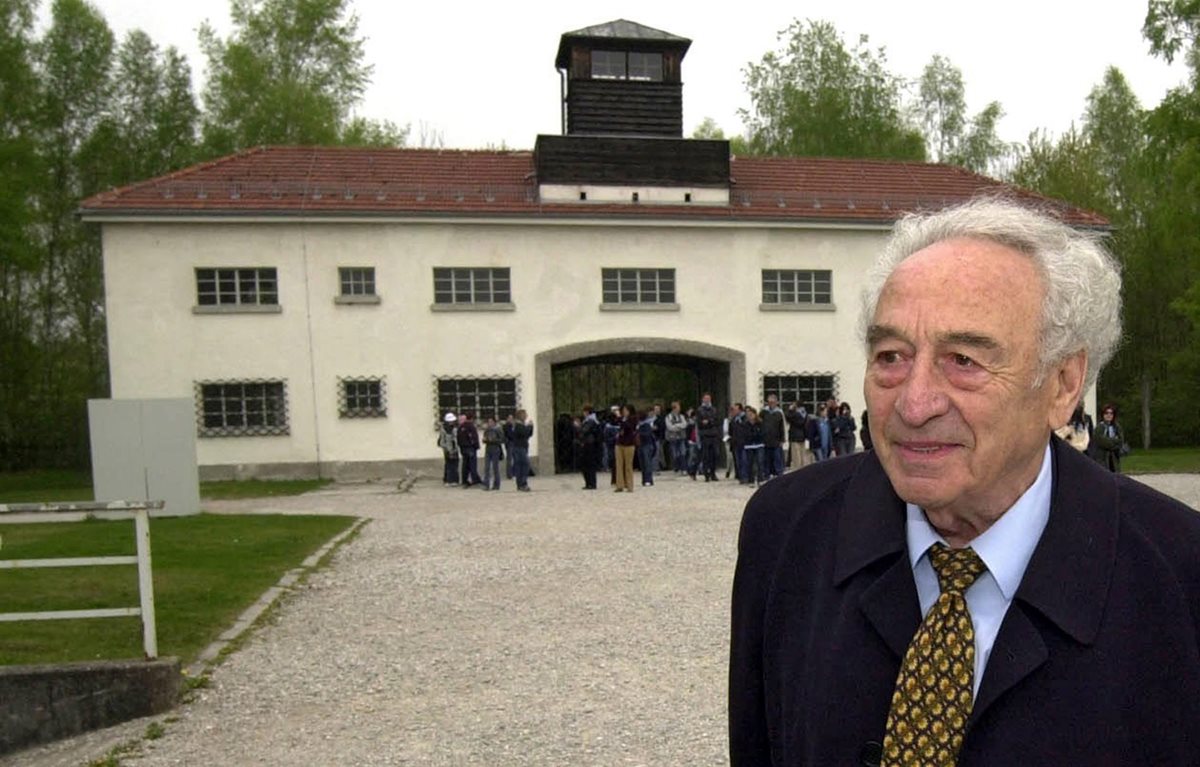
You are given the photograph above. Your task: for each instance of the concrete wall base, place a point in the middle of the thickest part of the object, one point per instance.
(39, 704)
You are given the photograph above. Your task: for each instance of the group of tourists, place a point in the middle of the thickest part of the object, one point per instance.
(1104, 443)
(507, 441)
(753, 445)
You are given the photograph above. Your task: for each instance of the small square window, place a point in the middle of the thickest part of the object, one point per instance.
(357, 280)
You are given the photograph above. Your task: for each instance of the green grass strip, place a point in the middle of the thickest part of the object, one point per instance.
(64, 486)
(208, 569)
(1162, 460)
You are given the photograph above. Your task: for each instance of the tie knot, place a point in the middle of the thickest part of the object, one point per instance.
(956, 569)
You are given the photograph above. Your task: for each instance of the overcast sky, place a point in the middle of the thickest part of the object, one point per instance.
(483, 74)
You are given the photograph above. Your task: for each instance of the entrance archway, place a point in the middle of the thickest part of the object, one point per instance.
(641, 371)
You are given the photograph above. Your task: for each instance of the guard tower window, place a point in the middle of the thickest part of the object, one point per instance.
(627, 65)
(645, 66)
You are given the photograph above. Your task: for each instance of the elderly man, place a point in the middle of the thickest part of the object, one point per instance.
(973, 591)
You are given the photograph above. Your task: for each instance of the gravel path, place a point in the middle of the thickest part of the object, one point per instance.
(469, 628)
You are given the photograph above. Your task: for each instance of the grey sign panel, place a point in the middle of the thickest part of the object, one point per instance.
(145, 450)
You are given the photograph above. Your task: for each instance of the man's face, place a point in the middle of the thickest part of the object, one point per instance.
(707, 400)
(953, 353)
(772, 401)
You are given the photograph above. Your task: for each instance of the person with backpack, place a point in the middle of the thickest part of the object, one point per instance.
(677, 437)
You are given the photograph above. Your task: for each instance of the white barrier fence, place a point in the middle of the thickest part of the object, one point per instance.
(139, 512)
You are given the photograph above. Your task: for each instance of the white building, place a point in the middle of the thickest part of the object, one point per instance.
(324, 306)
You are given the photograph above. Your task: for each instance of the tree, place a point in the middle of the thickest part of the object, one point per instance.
(1115, 126)
(708, 129)
(73, 61)
(1172, 26)
(149, 124)
(359, 131)
(950, 136)
(289, 74)
(1065, 169)
(943, 107)
(816, 96)
(20, 169)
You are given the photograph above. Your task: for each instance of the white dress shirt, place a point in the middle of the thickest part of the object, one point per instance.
(1005, 548)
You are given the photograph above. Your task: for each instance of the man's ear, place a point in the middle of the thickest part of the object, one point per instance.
(1066, 387)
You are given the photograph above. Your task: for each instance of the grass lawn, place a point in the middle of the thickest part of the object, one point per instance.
(207, 569)
(1163, 460)
(52, 486)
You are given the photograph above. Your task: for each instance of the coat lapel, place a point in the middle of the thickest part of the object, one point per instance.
(870, 531)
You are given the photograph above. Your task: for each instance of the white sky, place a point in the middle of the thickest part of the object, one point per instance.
(483, 74)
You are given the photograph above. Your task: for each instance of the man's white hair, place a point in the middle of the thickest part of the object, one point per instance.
(1081, 309)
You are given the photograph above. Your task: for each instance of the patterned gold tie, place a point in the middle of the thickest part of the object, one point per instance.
(934, 694)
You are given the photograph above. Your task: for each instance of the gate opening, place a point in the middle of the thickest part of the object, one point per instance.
(637, 378)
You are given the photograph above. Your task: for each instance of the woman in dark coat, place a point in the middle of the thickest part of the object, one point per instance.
(843, 430)
(1107, 440)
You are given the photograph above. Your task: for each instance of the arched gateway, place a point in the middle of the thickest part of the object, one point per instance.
(638, 370)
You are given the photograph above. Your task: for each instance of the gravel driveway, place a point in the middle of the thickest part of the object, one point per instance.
(475, 628)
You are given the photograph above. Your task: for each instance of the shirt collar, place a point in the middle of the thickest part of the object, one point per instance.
(1008, 544)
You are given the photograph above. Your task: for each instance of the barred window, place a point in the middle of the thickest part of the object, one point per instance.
(362, 398)
(481, 396)
(797, 286)
(638, 286)
(357, 280)
(471, 285)
(810, 390)
(241, 408)
(237, 287)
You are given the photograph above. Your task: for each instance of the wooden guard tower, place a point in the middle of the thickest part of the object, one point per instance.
(622, 103)
(622, 77)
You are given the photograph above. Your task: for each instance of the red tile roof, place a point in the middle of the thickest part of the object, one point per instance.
(289, 181)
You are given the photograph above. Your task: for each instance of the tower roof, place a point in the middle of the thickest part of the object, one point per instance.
(619, 31)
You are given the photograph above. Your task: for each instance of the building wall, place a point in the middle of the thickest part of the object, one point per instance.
(158, 347)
